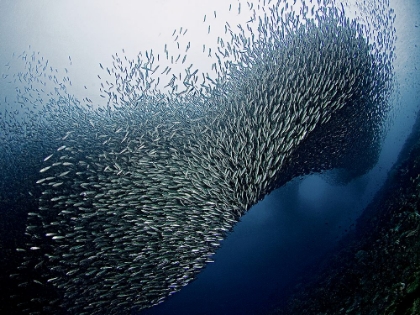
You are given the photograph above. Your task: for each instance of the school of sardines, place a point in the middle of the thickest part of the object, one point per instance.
(133, 198)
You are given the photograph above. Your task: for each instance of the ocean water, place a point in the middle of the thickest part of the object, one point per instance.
(279, 239)
(296, 230)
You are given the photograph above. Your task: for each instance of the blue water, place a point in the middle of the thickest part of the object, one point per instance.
(273, 244)
(286, 233)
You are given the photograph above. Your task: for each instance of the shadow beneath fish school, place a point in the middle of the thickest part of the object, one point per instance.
(280, 238)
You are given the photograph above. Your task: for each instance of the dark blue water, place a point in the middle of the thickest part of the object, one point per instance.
(277, 241)
(281, 237)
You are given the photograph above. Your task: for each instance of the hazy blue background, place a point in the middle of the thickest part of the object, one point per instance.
(285, 232)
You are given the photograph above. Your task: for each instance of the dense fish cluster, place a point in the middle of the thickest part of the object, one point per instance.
(135, 196)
